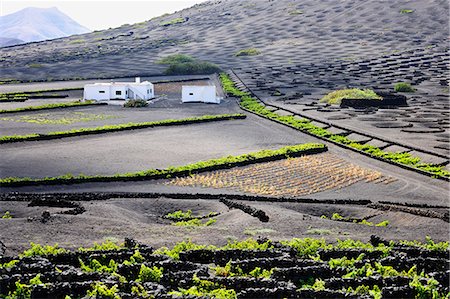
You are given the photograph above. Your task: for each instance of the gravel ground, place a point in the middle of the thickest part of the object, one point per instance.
(141, 219)
(137, 150)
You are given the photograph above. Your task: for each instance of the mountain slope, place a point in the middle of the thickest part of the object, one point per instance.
(7, 41)
(37, 24)
(285, 32)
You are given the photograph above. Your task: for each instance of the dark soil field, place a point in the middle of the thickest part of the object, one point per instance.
(334, 222)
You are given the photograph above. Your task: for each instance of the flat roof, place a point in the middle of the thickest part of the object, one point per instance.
(118, 83)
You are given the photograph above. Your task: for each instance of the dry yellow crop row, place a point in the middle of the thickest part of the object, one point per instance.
(291, 177)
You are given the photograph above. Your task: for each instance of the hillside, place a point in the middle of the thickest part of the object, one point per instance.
(285, 31)
(7, 41)
(36, 24)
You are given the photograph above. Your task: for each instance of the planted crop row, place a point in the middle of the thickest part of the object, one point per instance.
(22, 96)
(297, 268)
(119, 127)
(404, 159)
(209, 165)
(293, 177)
(51, 106)
(13, 97)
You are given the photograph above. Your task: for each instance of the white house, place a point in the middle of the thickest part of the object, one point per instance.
(119, 91)
(203, 94)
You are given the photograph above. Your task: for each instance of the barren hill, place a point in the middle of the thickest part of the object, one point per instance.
(286, 32)
(36, 24)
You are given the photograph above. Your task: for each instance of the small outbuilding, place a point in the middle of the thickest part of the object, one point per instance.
(119, 91)
(202, 94)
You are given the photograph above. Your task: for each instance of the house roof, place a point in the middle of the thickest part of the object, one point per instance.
(118, 83)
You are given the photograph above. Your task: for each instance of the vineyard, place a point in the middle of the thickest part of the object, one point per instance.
(296, 268)
(291, 177)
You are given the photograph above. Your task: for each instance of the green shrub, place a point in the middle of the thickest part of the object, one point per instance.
(173, 22)
(179, 215)
(100, 290)
(135, 103)
(176, 59)
(180, 64)
(194, 222)
(147, 274)
(247, 52)
(335, 97)
(105, 246)
(9, 265)
(403, 87)
(405, 11)
(42, 250)
(193, 68)
(7, 215)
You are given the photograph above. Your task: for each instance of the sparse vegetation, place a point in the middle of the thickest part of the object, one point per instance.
(173, 22)
(42, 250)
(50, 106)
(221, 163)
(406, 11)
(403, 87)
(338, 217)
(335, 97)
(180, 64)
(296, 12)
(251, 104)
(195, 222)
(135, 103)
(77, 41)
(7, 215)
(247, 52)
(35, 65)
(114, 273)
(318, 231)
(119, 127)
(51, 119)
(13, 97)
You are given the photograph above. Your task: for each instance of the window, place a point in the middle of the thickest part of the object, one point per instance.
(101, 91)
(118, 92)
(126, 92)
(191, 93)
(148, 91)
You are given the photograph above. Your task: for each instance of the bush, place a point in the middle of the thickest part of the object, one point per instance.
(173, 22)
(181, 64)
(337, 96)
(247, 52)
(403, 87)
(403, 11)
(193, 68)
(135, 103)
(175, 59)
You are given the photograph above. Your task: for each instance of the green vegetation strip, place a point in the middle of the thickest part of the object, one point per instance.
(308, 249)
(336, 97)
(209, 165)
(52, 106)
(404, 160)
(119, 127)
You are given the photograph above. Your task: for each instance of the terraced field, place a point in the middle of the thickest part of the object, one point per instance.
(292, 177)
(338, 201)
(297, 268)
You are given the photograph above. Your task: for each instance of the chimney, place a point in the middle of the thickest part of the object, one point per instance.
(138, 79)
